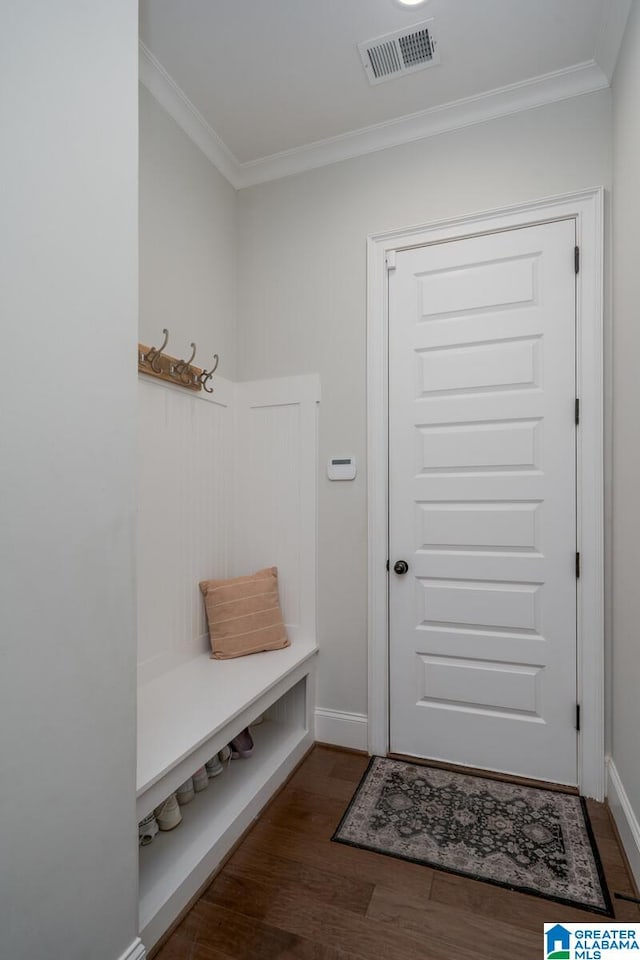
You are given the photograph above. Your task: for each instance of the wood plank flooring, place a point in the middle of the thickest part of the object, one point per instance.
(289, 893)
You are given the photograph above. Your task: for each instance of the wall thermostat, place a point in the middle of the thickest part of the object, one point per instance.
(342, 468)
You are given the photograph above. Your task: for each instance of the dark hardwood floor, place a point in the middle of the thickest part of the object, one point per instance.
(289, 893)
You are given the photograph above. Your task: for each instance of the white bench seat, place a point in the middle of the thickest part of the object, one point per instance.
(187, 715)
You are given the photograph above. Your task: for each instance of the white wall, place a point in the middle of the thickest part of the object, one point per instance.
(301, 307)
(187, 244)
(626, 404)
(68, 293)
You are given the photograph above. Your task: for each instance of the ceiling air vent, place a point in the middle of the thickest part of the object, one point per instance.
(403, 51)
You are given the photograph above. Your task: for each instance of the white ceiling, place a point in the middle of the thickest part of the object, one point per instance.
(272, 77)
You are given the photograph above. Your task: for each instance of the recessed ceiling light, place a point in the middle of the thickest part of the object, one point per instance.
(410, 3)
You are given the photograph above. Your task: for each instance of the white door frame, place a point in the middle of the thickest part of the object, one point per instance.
(587, 209)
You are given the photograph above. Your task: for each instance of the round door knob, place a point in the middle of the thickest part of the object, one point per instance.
(401, 566)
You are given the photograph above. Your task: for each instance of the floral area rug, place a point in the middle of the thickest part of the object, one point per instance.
(525, 838)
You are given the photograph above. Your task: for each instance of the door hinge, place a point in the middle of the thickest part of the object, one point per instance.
(578, 717)
(390, 260)
(576, 259)
(578, 566)
(577, 411)
(387, 566)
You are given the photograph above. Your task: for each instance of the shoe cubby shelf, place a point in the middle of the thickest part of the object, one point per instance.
(184, 718)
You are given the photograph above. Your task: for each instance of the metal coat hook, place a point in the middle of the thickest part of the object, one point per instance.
(182, 366)
(206, 375)
(154, 362)
(154, 354)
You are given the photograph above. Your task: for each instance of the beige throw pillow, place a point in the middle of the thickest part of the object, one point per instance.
(244, 614)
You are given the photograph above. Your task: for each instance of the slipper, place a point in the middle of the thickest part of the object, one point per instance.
(242, 745)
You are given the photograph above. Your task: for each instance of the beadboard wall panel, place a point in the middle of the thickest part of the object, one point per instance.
(267, 516)
(184, 516)
(226, 486)
(275, 491)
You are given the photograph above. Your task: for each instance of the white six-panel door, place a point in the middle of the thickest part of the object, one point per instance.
(482, 502)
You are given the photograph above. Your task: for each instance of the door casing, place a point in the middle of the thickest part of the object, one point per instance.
(586, 208)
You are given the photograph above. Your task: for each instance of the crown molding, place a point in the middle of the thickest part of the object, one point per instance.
(573, 81)
(615, 14)
(169, 95)
(560, 85)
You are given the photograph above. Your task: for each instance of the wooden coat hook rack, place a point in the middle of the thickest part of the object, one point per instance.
(154, 362)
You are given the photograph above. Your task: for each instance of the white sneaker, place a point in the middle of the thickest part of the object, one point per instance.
(147, 829)
(200, 780)
(185, 792)
(168, 813)
(213, 767)
(225, 755)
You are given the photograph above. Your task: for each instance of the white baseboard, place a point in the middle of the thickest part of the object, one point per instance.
(342, 729)
(625, 818)
(135, 951)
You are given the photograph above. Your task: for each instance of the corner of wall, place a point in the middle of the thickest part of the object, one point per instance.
(625, 819)
(135, 951)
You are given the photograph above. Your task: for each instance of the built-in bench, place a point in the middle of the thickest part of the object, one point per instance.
(227, 486)
(185, 717)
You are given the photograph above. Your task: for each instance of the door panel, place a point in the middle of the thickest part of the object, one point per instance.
(482, 502)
